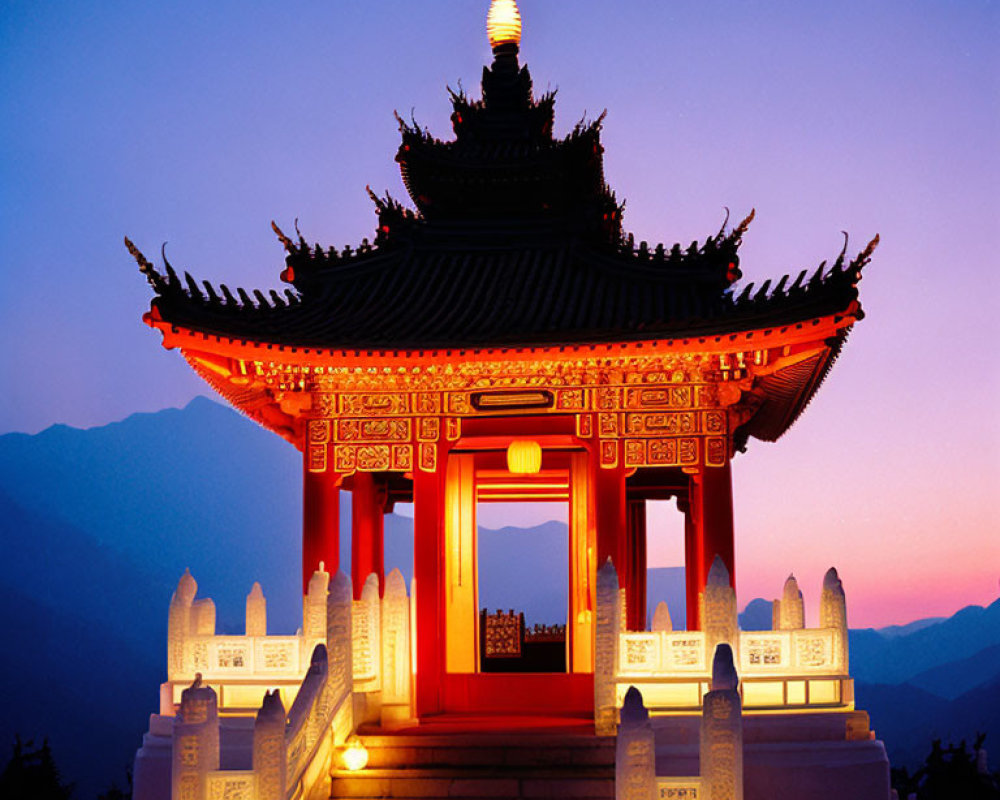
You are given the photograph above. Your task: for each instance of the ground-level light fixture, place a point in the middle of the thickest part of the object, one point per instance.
(355, 756)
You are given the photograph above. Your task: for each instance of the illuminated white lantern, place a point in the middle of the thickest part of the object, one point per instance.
(524, 457)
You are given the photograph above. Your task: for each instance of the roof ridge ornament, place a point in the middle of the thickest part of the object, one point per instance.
(503, 24)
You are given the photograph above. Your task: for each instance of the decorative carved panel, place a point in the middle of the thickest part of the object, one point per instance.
(428, 429)
(402, 457)
(319, 431)
(316, 455)
(344, 459)
(372, 405)
(373, 430)
(609, 453)
(427, 403)
(428, 457)
(665, 424)
(716, 451)
(373, 457)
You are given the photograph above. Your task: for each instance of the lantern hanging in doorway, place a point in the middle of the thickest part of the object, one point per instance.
(524, 457)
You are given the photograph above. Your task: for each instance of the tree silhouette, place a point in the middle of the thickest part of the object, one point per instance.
(32, 774)
(950, 772)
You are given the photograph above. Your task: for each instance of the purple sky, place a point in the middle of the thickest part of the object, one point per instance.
(199, 123)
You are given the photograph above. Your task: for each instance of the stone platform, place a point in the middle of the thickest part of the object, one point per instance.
(822, 756)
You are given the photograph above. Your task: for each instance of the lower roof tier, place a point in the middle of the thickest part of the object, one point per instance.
(505, 294)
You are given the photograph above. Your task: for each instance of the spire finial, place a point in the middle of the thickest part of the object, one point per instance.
(503, 24)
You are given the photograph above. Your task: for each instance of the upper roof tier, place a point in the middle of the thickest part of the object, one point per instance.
(516, 240)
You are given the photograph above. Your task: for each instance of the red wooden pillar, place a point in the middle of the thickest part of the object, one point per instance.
(428, 573)
(320, 522)
(368, 496)
(692, 559)
(712, 506)
(610, 516)
(635, 589)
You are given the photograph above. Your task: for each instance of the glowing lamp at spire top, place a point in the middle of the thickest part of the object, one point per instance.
(503, 23)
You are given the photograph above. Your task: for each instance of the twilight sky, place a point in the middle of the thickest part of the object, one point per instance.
(198, 123)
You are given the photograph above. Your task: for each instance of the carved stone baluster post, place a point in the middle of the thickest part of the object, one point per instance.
(367, 649)
(256, 612)
(662, 622)
(833, 614)
(314, 608)
(789, 612)
(269, 761)
(722, 731)
(196, 741)
(179, 624)
(395, 650)
(606, 649)
(719, 618)
(635, 751)
(339, 636)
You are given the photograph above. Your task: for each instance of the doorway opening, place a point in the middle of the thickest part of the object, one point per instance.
(523, 563)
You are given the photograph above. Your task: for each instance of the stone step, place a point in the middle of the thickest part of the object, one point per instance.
(497, 785)
(508, 765)
(489, 750)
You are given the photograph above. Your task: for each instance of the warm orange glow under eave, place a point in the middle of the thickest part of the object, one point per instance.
(794, 336)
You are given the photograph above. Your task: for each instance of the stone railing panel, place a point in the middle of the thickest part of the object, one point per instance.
(640, 653)
(684, 652)
(679, 789)
(231, 785)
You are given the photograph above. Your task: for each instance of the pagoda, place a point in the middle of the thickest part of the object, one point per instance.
(504, 340)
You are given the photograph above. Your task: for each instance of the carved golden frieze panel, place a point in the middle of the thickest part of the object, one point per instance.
(428, 429)
(665, 410)
(402, 457)
(662, 453)
(344, 458)
(318, 431)
(716, 451)
(428, 457)
(715, 422)
(373, 457)
(661, 397)
(595, 370)
(607, 425)
(665, 424)
(348, 458)
(687, 451)
(316, 455)
(635, 453)
(373, 430)
(374, 404)
(609, 453)
(325, 404)
(458, 403)
(571, 399)
(427, 403)
(607, 398)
